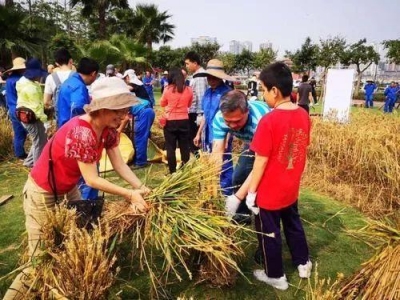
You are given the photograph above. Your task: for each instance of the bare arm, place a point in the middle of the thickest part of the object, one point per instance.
(260, 163)
(47, 100)
(310, 97)
(197, 139)
(122, 168)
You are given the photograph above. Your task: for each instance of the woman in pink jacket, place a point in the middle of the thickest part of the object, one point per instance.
(177, 98)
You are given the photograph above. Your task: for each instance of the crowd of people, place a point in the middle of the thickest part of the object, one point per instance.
(203, 114)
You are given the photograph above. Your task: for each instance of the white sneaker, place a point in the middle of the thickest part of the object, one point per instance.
(278, 283)
(305, 270)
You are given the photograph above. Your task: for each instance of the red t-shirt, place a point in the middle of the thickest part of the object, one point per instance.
(74, 141)
(283, 136)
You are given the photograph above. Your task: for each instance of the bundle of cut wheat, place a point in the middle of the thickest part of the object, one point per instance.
(379, 277)
(185, 217)
(73, 263)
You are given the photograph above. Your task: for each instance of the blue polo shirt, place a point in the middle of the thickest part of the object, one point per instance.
(210, 106)
(73, 96)
(257, 109)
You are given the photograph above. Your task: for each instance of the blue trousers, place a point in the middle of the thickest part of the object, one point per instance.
(268, 221)
(389, 105)
(226, 175)
(142, 125)
(150, 92)
(369, 100)
(240, 174)
(20, 135)
(87, 192)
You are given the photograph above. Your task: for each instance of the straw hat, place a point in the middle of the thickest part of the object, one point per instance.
(110, 93)
(165, 73)
(215, 68)
(18, 64)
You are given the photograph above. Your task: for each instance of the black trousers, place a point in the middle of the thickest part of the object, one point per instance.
(268, 221)
(177, 131)
(193, 128)
(306, 107)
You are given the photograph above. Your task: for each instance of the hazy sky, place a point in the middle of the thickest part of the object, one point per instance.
(284, 23)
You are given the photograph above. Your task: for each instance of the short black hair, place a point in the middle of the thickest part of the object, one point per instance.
(193, 57)
(304, 78)
(87, 66)
(278, 75)
(62, 56)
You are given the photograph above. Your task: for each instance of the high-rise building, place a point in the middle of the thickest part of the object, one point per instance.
(265, 45)
(248, 46)
(203, 40)
(236, 47)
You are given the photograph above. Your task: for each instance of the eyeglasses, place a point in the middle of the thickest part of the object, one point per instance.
(121, 112)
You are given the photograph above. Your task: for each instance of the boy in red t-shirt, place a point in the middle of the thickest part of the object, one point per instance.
(280, 144)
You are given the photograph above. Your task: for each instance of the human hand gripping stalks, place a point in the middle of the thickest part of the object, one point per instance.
(185, 216)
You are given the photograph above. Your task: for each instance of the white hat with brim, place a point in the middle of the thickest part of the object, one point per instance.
(215, 68)
(110, 93)
(132, 77)
(18, 64)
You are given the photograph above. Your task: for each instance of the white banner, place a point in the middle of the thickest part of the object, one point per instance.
(338, 95)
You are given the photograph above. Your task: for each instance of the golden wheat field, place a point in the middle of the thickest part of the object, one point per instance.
(357, 163)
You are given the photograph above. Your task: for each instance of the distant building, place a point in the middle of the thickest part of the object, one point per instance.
(236, 47)
(248, 46)
(265, 45)
(203, 40)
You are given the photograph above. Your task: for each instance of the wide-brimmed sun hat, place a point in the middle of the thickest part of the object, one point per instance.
(132, 77)
(18, 64)
(215, 68)
(165, 73)
(34, 69)
(110, 93)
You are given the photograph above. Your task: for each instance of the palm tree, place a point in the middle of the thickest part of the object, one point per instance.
(16, 36)
(118, 50)
(100, 7)
(152, 26)
(131, 52)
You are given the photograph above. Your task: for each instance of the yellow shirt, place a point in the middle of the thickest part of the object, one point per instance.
(30, 95)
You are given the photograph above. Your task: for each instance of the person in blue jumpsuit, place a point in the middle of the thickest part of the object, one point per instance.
(148, 85)
(20, 133)
(391, 97)
(143, 118)
(369, 89)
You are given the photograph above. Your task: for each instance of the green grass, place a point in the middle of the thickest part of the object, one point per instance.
(325, 222)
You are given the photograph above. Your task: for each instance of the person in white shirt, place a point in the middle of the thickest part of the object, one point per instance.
(64, 68)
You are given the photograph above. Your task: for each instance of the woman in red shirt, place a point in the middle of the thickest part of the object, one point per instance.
(177, 98)
(75, 151)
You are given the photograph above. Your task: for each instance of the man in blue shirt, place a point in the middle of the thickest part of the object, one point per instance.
(391, 97)
(72, 97)
(210, 105)
(73, 91)
(240, 118)
(148, 81)
(369, 89)
(164, 81)
(11, 99)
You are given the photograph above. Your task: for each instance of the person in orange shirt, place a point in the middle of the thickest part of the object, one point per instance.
(176, 99)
